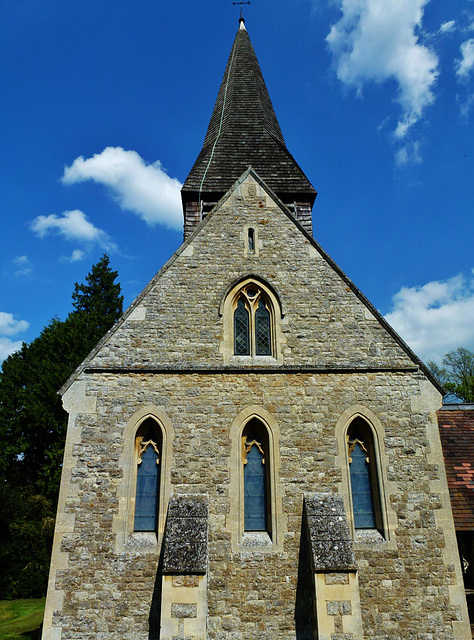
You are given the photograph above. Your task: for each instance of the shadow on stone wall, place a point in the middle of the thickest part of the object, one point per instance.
(305, 605)
(154, 619)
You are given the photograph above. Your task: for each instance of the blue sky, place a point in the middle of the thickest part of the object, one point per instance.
(105, 106)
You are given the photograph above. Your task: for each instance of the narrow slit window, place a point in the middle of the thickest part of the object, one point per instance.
(363, 476)
(255, 477)
(254, 490)
(251, 240)
(362, 498)
(148, 445)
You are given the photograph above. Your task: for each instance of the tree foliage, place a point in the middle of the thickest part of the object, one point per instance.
(33, 424)
(98, 303)
(456, 374)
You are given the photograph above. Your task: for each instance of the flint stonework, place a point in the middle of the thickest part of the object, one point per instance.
(185, 544)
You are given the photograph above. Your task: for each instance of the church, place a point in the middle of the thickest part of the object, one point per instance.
(252, 451)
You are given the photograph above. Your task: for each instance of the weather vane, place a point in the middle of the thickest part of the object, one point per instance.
(241, 2)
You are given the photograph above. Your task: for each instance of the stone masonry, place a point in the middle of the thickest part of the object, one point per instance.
(170, 358)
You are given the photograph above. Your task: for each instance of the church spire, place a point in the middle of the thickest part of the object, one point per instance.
(244, 131)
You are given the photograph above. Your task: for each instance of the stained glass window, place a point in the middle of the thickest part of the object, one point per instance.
(262, 330)
(254, 491)
(366, 506)
(362, 498)
(146, 503)
(241, 330)
(253, 318)
(256, 483)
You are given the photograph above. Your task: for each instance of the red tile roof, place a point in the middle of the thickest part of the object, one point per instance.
(456, 426)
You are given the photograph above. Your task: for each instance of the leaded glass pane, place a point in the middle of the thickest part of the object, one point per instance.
(147, 491)
(241, 330)
(362, 500)
(262, 330)
(254, 491)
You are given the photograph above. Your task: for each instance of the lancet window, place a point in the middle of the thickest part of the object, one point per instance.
(363, 476)
(256, 477)
(251, 240)
(148, 454)
(253, 323)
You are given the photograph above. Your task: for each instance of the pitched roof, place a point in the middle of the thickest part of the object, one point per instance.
(244, 131)
(456, 427)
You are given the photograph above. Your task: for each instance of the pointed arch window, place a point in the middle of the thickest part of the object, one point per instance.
(256, 477)
(253, 323)
(365, 489)
(148, 444)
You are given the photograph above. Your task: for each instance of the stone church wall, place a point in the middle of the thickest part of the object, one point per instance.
(176, 321)
(108, 584)
(171, 358)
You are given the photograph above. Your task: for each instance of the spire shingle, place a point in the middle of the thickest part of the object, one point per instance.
(244, 131)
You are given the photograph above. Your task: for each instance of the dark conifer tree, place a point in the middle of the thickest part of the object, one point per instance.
(33, 428)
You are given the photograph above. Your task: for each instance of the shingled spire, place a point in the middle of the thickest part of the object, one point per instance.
(244, 131)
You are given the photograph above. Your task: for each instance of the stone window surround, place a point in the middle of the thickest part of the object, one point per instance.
(364, 536)
(226, 311)
(250, 542)
(256, 241)
(124, 519)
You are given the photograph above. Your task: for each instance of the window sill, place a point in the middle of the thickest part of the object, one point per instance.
(256, 540)
(252, 360)
(368, 536)
(142, 540)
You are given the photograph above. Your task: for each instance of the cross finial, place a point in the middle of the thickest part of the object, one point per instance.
(241, 2)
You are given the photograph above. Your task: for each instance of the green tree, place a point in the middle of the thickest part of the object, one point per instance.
(459, 367)
(456, 374)
(33, 422)
(26, 534)
(99, 301)
(438, 372)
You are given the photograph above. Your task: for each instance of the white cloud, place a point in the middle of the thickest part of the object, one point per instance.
(447, 26)
(377, 40)
(23, 266)
(465, 65)
(409, 153)
(144, 189)
(7, 347)
(9, 327)
(76, 255)
(437, 317)
(72, 225)
(466, 105)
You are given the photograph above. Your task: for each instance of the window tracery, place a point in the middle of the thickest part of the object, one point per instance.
(255, 477)
(363, 476)
(253, 320)
(148, 448)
